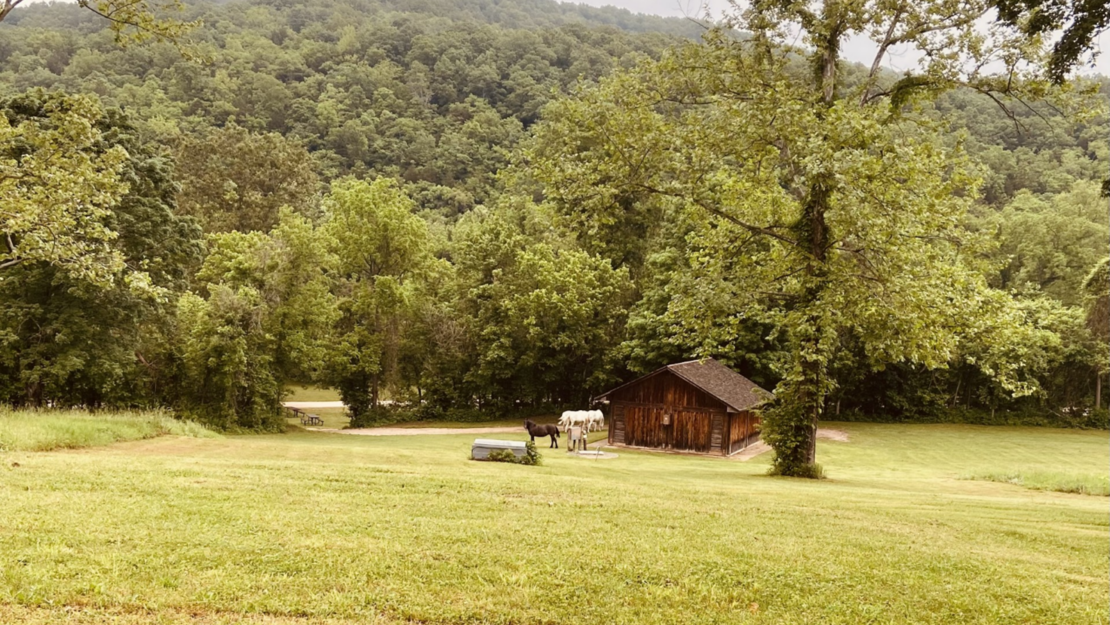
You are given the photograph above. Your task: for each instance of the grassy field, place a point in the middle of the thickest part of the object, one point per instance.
(319, 528)
(335, 418)
(24, 430)
(1083, 484)
(298, 392)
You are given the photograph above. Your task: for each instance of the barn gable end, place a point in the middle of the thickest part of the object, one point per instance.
(698, 406)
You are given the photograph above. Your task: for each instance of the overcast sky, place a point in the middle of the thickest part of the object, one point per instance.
(860, 50)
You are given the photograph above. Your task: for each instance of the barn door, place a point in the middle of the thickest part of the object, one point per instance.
(690, 430)
(668, 428)
(643, 426)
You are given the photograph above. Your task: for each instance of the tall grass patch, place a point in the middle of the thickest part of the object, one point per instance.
(45, 430)
(1098, 485)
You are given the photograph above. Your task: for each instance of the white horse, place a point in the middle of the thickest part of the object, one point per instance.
(590, 420)
(595, 419)
(573, 418)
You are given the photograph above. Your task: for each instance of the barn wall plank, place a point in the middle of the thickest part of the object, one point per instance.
(696, 420)
(717, 427)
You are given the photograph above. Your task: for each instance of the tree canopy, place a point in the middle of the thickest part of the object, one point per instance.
(456, 208)
(826, 204)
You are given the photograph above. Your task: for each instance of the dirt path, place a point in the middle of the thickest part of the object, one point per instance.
(749, 453)
(304, 405)
(839, 436)
(419, 431)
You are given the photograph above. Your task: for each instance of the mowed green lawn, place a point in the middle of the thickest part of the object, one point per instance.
(328, 528)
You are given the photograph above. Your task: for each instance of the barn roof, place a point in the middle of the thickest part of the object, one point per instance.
(731, 388)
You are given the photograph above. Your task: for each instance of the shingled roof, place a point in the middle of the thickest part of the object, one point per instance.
(731, 388)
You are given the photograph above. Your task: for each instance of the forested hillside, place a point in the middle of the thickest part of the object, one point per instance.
(352, 193)
(434, 93)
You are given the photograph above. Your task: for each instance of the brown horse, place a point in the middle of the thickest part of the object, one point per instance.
(543, 430)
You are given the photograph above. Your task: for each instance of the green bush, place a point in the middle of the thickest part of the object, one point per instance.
(501, 455)
(811, 471)
(384, 415)
(531, 455)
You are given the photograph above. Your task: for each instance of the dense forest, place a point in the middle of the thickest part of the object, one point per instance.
(377, 196)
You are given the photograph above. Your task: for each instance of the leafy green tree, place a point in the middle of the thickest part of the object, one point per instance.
(1079, 23)
(57, 188)
(549, 327)
(129, 20)
(381, 250)
(263, 317)
(545, 318)
(1096, 288)
(1051, 243)
(826, 203)
(232, 179)
(225, 375)
(73, 342)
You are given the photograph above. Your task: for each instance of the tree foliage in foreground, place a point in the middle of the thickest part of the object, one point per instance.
(1078, 23)
(57, 187)
(506, 308)
(131, 21)
(70, 332)
(824, 206)
(259, 318)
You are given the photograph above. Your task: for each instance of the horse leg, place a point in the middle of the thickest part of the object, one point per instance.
(554, 442)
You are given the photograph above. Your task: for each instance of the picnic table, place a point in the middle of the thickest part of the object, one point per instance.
(307, 418)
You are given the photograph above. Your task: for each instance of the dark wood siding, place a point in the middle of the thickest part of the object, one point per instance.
(667, 389)
(743, 430)
(690, 430)
(665, 412)
(616, 424)
(717, 429)
(644, 426)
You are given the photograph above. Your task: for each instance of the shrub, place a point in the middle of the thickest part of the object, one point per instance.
(384, 415)
(812, 471)
(501, 455)
(531, 455)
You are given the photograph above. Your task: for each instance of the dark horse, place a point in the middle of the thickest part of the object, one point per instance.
(543, 430)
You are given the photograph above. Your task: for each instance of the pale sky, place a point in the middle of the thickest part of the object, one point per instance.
(860, 49)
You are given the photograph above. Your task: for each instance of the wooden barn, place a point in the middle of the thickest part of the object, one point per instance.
(698, 406)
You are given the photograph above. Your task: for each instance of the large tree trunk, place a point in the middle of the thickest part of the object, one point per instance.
(374, 390)
(1098, 389)
(793, 425)
(815, 366)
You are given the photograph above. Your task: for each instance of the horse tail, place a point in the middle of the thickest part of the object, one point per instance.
(557, 433)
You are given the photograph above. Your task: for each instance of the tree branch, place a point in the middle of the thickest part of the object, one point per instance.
(7, 7)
